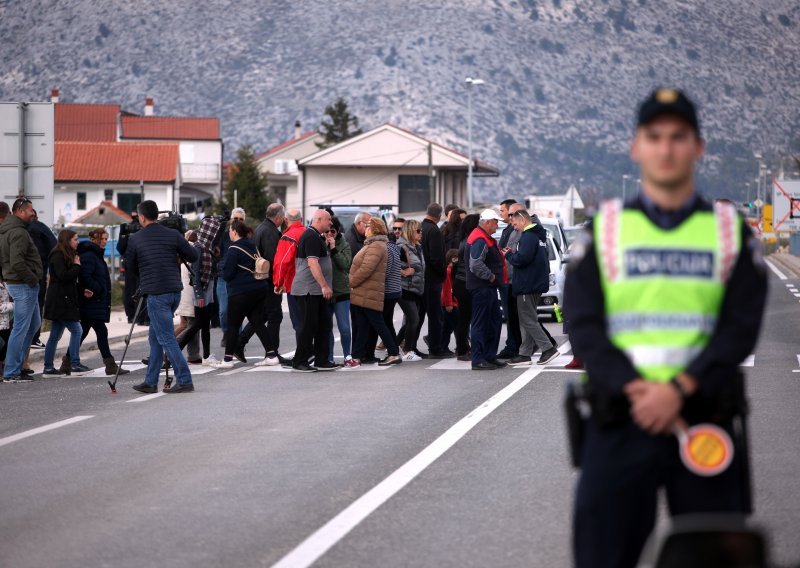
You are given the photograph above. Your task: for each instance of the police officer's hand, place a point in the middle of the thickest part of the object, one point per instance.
(654, 406)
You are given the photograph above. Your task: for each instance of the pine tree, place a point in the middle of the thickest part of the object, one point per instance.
(249, 181)
(339, 125)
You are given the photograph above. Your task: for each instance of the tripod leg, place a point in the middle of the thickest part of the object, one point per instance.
(127, 343)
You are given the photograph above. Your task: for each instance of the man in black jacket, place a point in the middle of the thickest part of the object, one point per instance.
(435, 266)
(45, 241)
(266, 238)
(152, 256)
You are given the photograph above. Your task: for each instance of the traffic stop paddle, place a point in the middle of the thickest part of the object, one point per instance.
(706, 449)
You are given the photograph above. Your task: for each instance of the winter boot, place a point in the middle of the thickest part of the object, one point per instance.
(111, 367)
(66, 365)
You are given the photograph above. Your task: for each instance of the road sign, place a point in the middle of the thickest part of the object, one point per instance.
(786, 205)
(26, 166)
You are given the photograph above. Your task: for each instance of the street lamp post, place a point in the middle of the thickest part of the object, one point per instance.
(470, 83)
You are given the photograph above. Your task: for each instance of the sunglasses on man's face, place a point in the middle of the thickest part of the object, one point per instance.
(396, 229)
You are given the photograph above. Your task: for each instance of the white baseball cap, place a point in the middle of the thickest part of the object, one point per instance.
(489, 215)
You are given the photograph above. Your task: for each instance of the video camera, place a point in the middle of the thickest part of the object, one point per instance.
(173, 221)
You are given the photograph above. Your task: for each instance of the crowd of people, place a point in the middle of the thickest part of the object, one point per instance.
(453, 274)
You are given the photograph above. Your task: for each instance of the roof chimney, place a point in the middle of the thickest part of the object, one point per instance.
(54, 95)
(297, 130)
(148, 106)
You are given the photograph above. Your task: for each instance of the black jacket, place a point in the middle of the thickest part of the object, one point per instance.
(61, 299)
(355, 240)
(506, 234)
(237, 279)
(94, 276)
(433, 252)
(531, 264)
(43, 239)
(266, 240)
(152, 256)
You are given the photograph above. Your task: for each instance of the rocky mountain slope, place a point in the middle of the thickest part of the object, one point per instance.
(562, 76)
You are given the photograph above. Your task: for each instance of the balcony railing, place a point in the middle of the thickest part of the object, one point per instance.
(200, 172)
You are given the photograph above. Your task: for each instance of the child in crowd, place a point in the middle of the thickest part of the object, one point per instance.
(449, 301)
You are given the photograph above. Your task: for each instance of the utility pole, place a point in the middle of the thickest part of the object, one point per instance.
(470, 83)
(431, 189)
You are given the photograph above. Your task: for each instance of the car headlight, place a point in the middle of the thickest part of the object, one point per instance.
(552, 279)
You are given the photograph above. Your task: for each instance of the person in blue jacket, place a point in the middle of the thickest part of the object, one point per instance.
(94, 295)
(531, 279)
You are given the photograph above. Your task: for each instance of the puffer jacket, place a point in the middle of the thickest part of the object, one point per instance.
(19, 260)
(61, 299)
(413, 259)
(368, 274)
(94, 276)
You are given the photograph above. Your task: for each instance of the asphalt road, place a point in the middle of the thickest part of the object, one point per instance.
(416, 466)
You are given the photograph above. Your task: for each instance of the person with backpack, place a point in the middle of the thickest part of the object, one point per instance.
(244, 277)
(283, 269)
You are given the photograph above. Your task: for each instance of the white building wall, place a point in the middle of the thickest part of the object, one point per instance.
(350, 186)
(65, 198)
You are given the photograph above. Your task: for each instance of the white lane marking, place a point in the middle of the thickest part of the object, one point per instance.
(146, 397)
(798, 364)
(312, 548)
(796, 295)
(451, 364)
(750, 361)
(565, 348)
(774, 269)
(40, 429)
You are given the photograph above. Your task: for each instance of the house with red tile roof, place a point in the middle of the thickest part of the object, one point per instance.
(279, 163)
(103, 153)
(387, 166)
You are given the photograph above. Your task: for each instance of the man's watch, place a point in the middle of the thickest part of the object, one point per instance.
(679, 387)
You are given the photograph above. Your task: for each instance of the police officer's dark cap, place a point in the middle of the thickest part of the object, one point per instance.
(668, 102)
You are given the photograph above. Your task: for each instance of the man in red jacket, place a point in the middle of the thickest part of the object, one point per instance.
(283, 267)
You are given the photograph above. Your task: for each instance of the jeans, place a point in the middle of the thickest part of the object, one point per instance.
(27, 320)
(410, 309)
(100, 331)
(341, 310)
(222, 302)
(56, 331)
(161, 336)
(42, 293)
(486, 325)
(366, 319)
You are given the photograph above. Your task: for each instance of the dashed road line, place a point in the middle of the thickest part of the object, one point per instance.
(41, 429)
(774, 269)
(146, 397)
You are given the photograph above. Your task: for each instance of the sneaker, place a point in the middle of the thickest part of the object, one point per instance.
(506, 354)
(269, 361)
(223, 365)
(11, 379)
(210, 361)
(51, 372)
(352, 363)
(519, 361)
(37, 344)
(327, 366)
(420, 354)
(304, 368)
(239, 354)
(548, 356)
(283, 360)
(24, 379)
(179, 388)
(79, 369)
(390, 360)
(380, 347)
(411, 356)
(27, 372)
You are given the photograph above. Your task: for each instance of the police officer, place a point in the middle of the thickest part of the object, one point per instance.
(666, 294)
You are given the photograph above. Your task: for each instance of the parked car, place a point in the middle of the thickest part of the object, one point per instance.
(555, 228)
(558, 271)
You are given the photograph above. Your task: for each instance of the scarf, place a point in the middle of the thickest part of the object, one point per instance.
(209, 227)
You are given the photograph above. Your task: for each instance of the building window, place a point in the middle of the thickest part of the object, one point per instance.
(81, 201)
(108, 195)
(128, 201)
(278, 193)
(414, 193)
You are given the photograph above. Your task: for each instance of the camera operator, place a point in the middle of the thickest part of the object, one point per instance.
(126, 230)
(152, 257)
